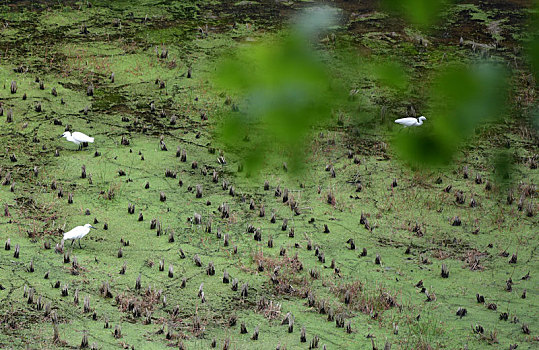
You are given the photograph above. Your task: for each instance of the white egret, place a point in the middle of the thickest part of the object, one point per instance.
(406, 122)
(77, 138)
(77, 233)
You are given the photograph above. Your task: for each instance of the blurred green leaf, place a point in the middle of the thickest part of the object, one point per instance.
(461, 100)
(419, 12)
(391, 74)
(285, 89)
(312, 20)
(503, 167)
(534, 55)
(533, 44)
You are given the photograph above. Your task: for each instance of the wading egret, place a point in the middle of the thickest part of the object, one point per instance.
(406, 122)
(77, 233)
(77, 138)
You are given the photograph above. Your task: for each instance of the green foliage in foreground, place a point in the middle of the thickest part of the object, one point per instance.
(351, 168)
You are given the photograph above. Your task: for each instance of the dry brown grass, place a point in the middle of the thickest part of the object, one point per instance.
(472, 258)
(440, 254)
(368, 301)
(288, 280)
(271, 310)
(147, 301)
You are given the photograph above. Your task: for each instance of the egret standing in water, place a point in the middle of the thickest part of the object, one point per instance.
(77, 233)
(406, 122)
(77, 138)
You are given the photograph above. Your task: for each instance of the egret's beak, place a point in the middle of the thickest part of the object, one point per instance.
(60, 136)
(93, 227)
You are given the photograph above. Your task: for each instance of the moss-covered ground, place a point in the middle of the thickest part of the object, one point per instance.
(400, 299)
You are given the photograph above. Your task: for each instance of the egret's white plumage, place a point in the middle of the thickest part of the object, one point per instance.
(77, 137)
(77, 233)
(406, 122)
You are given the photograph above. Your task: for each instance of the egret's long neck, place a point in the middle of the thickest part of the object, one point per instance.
(70, 138)
(419, 121)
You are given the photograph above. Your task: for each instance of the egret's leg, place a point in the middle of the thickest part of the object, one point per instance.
(79, 244)
(72, 242)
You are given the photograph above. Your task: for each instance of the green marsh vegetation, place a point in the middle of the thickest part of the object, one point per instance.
(249, 185)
